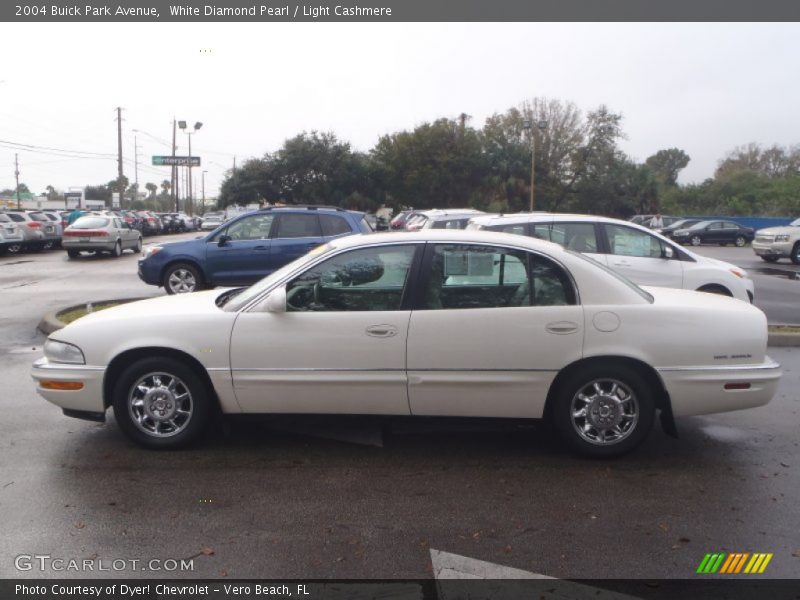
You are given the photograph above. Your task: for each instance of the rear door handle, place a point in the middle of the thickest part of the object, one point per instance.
(562, 327)
(382, 331)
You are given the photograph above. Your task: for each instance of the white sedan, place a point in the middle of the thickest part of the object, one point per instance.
(435, 323)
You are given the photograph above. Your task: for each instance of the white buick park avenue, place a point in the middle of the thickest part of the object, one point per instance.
(434, 323)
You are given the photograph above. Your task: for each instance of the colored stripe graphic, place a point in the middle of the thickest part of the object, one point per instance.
(734, 563)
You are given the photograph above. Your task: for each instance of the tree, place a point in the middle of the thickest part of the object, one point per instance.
(666, 164)
(151, 188)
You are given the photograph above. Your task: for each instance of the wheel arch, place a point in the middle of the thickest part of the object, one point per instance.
(183, 259)
(650, 375)
(123, 360)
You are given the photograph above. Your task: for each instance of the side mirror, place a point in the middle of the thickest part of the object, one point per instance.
(223, 239)
(667, 252)
(276, 301)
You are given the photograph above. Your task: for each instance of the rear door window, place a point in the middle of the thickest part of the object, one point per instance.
(578, 237)
(332, 226)
(298, 226)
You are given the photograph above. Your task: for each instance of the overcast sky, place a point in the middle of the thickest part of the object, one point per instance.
(704, 88)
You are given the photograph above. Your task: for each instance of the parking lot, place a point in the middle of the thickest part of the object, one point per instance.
(362, 497)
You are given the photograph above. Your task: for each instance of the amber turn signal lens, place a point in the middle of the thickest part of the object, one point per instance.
(61, 385)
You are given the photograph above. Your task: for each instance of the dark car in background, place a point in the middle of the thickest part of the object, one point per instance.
(668, 230)
(246, 248)
(714, 232)
(398, 223)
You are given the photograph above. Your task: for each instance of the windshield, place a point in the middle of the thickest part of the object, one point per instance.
(241, 299)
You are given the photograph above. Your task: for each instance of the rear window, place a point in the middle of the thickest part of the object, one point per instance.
(333, 225)
(16, 217)
(4, 219)
(38, 217)
(90, 223)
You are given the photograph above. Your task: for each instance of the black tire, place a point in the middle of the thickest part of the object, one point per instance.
(73, 253)
(14, 248)
(182, 278)
(117, 251)
(795, 257)
(632, 431)
(770, 259)
(137, 249)
(153, 429)
(48, 245)
(696, 241)
(740, 241)
(716, 289)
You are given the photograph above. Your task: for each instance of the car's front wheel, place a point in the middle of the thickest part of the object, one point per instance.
(604, 411)
(181, 278)
(117, 251)
(161, 403)
(795, 257)
(137, 249)
(14, 248)
(740, 241)
(696, 241)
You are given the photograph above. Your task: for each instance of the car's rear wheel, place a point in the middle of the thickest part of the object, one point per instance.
(796, 254)
(604, 410)
(181, 278)
(740, 241)
(137, 249)
(73, 253)
(770, 259)
(14, 248)
(161, 403)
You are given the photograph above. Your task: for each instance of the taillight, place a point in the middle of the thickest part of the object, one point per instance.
(34, 224)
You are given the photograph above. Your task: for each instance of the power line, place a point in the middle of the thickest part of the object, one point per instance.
(35, 147)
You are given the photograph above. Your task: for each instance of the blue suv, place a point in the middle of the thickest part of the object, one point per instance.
(246, 248)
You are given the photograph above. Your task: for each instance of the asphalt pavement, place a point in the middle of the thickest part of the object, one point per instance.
(343, 497)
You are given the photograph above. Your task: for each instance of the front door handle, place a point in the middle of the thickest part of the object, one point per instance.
(562, 327)
(622, 263)
(384, 331)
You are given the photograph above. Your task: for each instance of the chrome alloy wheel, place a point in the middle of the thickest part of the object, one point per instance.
(160, 404)
(604, 411)
(182, 281)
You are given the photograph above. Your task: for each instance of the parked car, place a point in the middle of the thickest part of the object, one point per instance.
(32, 230)
(434, 323)
(668, 230)
(245, 248)
(631, 250)
(398, 223)
(51, 226)
(150, 224)
(714, 232)
(774, 243)
(11, 238)
(101, 234)
(451, 218)
(211, 221)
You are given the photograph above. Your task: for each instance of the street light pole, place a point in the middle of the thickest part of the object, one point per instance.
(203, 183)
(182, 125)
(529, 125)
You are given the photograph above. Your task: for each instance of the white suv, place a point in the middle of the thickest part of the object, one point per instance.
(779, 242)
(636, 252)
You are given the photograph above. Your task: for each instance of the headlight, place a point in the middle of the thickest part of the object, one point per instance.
(741, 274)
(149, 251)
(783, 237)
(61, 352)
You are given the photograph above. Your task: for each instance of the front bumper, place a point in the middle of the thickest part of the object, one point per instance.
(89, 399)
(148, 272)
(779, 249)
(702, 390)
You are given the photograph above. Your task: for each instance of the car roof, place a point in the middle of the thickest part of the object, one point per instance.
(449, 236)
(448, 212)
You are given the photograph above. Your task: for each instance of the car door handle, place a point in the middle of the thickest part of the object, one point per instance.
(260, 248)
(382, 331)
(562, 327)
(622, 263)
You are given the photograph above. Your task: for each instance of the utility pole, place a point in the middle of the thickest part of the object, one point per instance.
(174, 168)
(120, 182)
(16, 176)
(135, 168)
(190, 212)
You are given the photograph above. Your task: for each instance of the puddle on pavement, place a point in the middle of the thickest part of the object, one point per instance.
(795, 275)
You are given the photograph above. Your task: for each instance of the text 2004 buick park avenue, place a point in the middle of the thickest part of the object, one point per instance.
(456, 323)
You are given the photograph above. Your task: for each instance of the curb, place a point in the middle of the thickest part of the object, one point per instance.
(783, 339)
(50, 322)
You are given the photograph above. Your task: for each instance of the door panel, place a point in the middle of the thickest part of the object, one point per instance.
(245, 257)
(639, 256)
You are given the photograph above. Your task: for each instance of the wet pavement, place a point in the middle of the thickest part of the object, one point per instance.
(358, 497)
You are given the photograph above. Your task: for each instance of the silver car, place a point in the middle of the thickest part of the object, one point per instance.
(51, 227)
(101, 233)
(11, 238)
(32, 231)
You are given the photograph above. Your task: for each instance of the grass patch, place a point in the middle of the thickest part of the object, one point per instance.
(68, 316)
(784, 328)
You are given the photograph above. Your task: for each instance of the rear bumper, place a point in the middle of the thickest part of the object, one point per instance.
(702, 390)
(75, 244)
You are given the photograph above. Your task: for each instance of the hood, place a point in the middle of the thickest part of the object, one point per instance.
(161, 306)
(779, 230)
